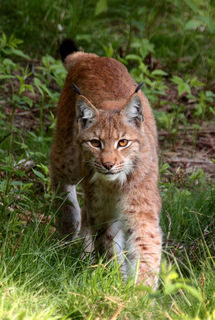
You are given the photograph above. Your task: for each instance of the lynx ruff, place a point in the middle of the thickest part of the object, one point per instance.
(106, 140)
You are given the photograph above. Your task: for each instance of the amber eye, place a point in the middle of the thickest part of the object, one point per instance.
(95, 143)
(123, 143)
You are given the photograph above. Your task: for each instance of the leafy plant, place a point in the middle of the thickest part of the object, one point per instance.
(166, 44)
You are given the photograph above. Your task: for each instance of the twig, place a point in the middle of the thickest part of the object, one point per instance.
(117, 313)
(186, 160)
(5, 137)
(169, 229)
(20, 237)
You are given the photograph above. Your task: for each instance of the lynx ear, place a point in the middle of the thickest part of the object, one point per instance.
(86, 112)
(133, 111)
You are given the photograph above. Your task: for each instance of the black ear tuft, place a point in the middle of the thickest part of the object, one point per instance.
(139, 87)
(76, 89)
(67, 46)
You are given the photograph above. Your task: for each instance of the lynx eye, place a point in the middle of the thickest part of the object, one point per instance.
(95, 143)
(123, 143)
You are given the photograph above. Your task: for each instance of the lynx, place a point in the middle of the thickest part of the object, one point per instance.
(106, 141)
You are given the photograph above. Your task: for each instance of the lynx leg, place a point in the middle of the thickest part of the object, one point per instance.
(71, 219)
(145, 253)
(63, 177)
(85, 234)
(112, 241)
(70, 212)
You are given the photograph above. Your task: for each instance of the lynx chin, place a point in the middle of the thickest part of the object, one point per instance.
(106, 140)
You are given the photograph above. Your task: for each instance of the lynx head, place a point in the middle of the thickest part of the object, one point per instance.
(110, 140)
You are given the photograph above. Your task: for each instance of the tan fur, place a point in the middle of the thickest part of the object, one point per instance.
(123, 214)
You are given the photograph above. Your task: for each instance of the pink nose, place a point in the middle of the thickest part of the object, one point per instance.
(108, 165)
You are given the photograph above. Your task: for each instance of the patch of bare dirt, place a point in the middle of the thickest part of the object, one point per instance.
(190, 150)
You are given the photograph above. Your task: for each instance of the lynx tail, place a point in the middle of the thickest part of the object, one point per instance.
(67, 47)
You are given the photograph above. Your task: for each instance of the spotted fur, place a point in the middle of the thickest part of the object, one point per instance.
(121, 199)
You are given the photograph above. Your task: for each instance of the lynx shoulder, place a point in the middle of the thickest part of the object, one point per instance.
(106, 140)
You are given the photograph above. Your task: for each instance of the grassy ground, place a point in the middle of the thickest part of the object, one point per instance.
(168, 45)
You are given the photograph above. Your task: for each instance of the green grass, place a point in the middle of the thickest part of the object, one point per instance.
(45, 277)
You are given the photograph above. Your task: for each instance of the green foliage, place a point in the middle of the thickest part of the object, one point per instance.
(180, 32)
(101, 6)
(182, 86)
(172, 282)
(168, 45)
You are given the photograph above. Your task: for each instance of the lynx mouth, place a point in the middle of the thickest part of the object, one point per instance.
(109, 177)
(109, 173)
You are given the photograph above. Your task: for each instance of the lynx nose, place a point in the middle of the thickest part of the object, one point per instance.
(108, 165)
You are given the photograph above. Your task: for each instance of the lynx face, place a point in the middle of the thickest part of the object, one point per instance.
(110, 141)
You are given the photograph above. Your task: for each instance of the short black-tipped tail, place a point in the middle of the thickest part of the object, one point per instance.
(67, 46)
